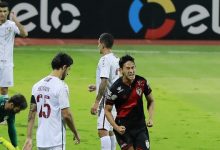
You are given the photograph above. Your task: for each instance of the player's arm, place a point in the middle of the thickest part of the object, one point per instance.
(23, 31)
(150, 108)
(108, 114)
(12, 131)
(150, 103)
(31, 120)
(101, 91)
(67, 116)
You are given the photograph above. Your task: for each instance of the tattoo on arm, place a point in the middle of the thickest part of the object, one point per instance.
(102, 89)
(32, 111)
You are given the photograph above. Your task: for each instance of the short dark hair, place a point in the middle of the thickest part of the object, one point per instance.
(124, 59)
(107, 39)
(19, 101)
(60, 60)
(3, 4)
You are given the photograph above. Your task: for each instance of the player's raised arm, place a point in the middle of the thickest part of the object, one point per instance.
(23, 31)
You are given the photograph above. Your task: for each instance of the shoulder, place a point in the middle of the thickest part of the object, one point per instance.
(116, 84)
(140, 78)
(10, 23)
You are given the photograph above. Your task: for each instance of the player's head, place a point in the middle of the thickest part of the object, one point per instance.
(4, 11)
(17, 103)
(127, 67)
(62, 61)
(106, 40)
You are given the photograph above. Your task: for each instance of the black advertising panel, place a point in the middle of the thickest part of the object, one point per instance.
(140, 19)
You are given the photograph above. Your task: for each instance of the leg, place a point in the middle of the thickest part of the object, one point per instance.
(105, 139)
(142, 141)
(6, 80)
(113, 140)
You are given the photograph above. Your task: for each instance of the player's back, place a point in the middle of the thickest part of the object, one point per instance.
(108, 67)
(47, 93)
(114, 70)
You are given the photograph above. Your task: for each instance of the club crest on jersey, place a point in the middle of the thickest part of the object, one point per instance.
(9, 29)
(138, 91)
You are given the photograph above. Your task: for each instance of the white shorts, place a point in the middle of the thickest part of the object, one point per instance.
(6, 76)
(102, 122)
(60, 147)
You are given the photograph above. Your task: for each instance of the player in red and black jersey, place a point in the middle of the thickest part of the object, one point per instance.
(126, 94)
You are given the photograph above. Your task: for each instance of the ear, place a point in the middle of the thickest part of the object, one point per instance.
(64, 67)
(11, 105)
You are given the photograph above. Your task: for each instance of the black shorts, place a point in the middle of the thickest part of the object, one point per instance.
(138, 138)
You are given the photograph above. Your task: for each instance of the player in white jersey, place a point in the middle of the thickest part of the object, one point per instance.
(107, 72)
(50, 102)
(8, 30)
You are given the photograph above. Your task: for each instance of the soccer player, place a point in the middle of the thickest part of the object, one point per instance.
(8, 29)
(9, 107)
(107, 72)
(50, 102)
(126, 94)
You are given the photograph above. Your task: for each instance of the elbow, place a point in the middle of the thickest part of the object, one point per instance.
(25, 34)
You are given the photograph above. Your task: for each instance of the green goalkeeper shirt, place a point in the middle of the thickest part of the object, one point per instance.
(10, 117)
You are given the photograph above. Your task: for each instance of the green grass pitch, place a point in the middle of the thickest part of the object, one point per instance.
(185, 82)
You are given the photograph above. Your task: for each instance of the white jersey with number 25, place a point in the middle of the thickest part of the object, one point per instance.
(51, 96)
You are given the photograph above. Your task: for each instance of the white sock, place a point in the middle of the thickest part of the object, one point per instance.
(105, 143)
(113, 142)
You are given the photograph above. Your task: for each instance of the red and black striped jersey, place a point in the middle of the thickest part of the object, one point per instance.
(128, 101)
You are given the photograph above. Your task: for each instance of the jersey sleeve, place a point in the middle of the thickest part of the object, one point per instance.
(110, 100)
(11, 130)
(64, 97)
(104, 68)
(33, 101)
(147, 88)
(16, 30)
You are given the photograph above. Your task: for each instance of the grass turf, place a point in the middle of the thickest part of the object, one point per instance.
(185, 82)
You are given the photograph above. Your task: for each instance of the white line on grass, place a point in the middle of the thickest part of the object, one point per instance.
(121, 51)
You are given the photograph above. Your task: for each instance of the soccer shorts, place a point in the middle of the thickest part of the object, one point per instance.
(138, 138)
(102, 122)
(60, 147)
(6, 76)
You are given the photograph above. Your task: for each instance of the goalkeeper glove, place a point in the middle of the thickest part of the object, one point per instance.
(7, 144)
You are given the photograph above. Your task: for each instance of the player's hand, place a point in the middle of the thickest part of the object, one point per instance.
(150, 123)
(76, 138)
(13, 16)
(27, 144)
(121, 129)
(94, 108)
(91, 88)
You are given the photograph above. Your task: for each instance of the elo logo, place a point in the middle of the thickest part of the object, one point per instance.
(152, 33)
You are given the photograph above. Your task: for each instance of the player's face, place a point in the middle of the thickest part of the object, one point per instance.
(65, 72)
(13, 109)
(128, 71)
(16, 109)
(3, 14)
(100, 47)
